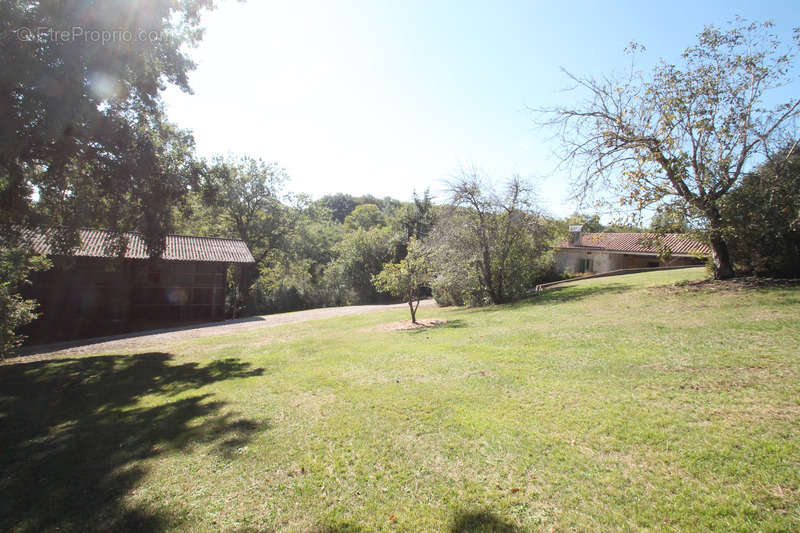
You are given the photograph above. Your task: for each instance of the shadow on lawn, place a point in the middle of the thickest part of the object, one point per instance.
(463, 522)
(571, 293)
(73, 435)
(565, 294)
(480, 522)
(450, 324)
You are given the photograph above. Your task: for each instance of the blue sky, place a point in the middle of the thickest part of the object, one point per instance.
(384, 97)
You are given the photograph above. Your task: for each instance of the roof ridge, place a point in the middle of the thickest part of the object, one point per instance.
(631, 233)
(141, 234)
(204, 237)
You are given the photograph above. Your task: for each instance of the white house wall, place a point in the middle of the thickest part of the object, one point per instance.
(570, 261)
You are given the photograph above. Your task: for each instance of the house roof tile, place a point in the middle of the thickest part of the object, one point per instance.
(678, 244)
(100, 243)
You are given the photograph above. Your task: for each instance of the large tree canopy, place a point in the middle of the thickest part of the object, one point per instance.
(81, 119)
(685, 134)
(83, 139)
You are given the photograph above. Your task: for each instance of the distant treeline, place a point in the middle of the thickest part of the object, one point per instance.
(326, 252)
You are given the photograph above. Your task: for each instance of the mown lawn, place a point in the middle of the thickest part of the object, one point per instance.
(614, 404)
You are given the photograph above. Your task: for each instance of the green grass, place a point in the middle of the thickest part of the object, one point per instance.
(619, 403)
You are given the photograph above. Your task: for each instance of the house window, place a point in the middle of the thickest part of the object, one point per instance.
(585, 265)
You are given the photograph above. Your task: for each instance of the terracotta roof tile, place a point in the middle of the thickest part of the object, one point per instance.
(99, 243)
(678, 243)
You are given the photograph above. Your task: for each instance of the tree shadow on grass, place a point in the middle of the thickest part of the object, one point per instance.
(74, 435)
(565, 294)
(463, 522)
(450, 324)
(571, 293)
(480, 522)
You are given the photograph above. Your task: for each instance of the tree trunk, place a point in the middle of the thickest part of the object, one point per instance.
(487, 275)
(494, 295)
(413, 311)
(501, 297)
(245, 273)
(723, 266)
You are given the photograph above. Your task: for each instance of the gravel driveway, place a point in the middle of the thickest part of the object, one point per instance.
(160, 336)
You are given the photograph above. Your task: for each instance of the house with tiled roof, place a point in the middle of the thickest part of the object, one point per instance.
(604, 252)
(110, 284)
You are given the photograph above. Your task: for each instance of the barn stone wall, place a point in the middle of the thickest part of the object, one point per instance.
(85, 297)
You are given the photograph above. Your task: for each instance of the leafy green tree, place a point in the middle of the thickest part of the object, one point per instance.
(417, 218)
(360, 255)
(313, 233)
(284, 284)
(666, 220)
(340, 205)
(159, 161)
(246, 191)
(685, 133)
(15, 311)
(590, 223)
(297, 275)
(82, 122)
(83, 139)
(762, 217)
(240, 198)
(499, 238)
(364, 216)
(407, 278)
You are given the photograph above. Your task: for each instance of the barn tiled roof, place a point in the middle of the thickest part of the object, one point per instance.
(633, 243)
(99, 243)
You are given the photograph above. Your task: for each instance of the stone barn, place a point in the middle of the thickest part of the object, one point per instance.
(603, 252)
(95, 292)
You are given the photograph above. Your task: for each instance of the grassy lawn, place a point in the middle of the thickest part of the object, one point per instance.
(611, 404)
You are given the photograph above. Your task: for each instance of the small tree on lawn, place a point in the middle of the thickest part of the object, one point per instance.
(406, 278)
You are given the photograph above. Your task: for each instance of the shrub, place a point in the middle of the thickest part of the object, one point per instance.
(15, 312)
(762, 219)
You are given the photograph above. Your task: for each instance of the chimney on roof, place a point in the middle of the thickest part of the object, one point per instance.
(575, 234)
